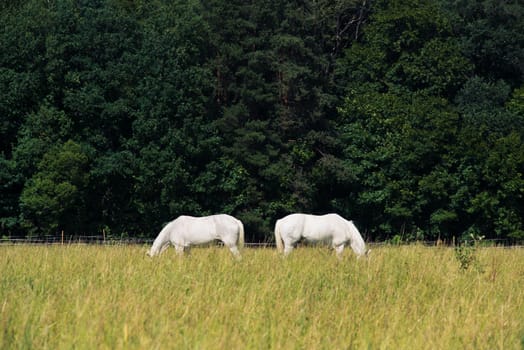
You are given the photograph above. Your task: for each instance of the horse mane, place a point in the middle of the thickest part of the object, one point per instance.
(162, 240)
(357, 242)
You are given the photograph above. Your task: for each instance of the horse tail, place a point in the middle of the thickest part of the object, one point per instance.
(240, 234)
(278, 237)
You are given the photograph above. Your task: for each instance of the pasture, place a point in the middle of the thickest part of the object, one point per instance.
(114, 297)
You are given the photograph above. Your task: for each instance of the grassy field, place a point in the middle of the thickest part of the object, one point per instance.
(114, 297)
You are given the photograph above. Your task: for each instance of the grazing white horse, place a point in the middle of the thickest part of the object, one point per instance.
(186, 231)
(330, 228)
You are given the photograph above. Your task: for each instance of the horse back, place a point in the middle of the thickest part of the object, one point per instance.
(291, 226)
(225, 223)
(328, 227)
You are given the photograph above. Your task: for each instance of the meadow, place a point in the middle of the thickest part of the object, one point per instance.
(403, 297)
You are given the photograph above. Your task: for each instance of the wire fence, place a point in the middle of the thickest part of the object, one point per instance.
(60, 240)
(98, 240)
(103, 240)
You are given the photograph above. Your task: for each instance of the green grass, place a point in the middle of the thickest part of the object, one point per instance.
(114, 297)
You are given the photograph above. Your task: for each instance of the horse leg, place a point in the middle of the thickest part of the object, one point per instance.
(288, 248)
(179, 249)
(234, 250)
(164, 247)
(339, 249)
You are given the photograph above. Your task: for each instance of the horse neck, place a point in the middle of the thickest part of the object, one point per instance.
(357, 242)
(160, 241)
(156, 247)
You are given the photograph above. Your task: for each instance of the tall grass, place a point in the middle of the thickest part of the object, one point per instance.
(87, 297)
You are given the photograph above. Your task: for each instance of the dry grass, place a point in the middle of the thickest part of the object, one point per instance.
(97, 297)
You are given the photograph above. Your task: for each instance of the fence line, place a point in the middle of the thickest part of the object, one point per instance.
(76, 240)
(102, 240)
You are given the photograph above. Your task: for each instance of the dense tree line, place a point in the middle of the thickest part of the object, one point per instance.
(406, 116)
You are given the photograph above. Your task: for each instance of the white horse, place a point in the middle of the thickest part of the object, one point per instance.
(330, 228)
(185, 231)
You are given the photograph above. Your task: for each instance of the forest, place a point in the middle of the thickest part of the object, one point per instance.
(406, 116)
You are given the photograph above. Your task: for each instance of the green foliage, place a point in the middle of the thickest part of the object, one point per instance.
(466, 252)
(465, 255)
(420, 155)
(406, 116)
(53, 198)
(401, 143)
(482, 105)
(9, 187)
(407, 47)
(492, 37)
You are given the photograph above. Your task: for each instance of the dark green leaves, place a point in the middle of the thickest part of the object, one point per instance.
(406, 116)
